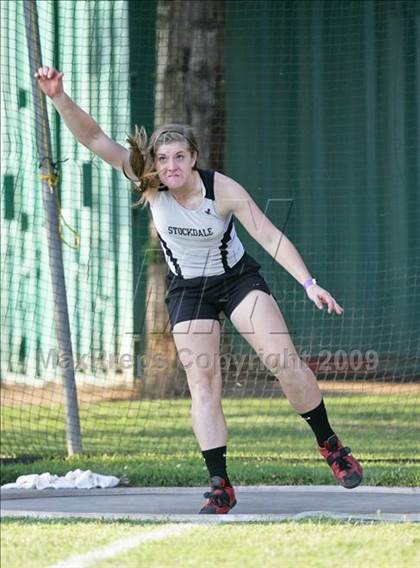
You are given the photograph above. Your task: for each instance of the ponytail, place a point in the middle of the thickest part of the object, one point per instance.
(138, 144)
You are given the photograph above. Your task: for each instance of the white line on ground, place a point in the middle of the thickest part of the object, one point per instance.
(120, 546)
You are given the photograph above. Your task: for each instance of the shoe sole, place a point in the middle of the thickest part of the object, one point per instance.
(352, 484)
(205, 513)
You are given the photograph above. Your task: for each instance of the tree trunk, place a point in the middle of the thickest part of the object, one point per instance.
(189, 90)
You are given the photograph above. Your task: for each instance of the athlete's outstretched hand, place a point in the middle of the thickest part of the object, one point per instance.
(319, 296)
(50, 81)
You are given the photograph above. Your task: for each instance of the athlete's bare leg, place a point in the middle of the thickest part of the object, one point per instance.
(198, 344)
(259, 320)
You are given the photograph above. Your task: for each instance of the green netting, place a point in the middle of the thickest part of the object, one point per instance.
(314, 107)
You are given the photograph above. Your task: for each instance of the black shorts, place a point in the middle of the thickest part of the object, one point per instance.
(205, 297)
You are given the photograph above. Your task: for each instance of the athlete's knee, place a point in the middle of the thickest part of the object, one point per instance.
(204, 386)
(285, 364)
(295, 375)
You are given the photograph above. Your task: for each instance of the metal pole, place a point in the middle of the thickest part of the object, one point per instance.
(48, 176)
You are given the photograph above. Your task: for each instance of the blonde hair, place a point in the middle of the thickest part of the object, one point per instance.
(143, 153)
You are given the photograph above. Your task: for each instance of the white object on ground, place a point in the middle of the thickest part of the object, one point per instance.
(77, 479)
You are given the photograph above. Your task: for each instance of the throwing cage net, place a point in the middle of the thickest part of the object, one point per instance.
(313, 107)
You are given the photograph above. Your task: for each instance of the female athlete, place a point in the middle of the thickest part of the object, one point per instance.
(210, 272)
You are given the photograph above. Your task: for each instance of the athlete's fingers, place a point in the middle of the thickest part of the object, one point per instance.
(40, 73)
(321, 297)
(327, 300)
(330, 303)
(333, 306)
(45, 73)
(318, 302)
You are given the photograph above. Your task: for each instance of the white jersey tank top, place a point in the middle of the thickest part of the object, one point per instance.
(196, 242)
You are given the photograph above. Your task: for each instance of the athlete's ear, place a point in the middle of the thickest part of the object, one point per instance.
(195, 158)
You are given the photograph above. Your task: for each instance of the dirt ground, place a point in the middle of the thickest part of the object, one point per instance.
(21, 395)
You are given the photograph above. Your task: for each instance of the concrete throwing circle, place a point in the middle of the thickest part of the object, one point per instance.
(181, 504)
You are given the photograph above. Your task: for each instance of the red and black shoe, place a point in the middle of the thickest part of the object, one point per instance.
(346, 469)
(221, 499)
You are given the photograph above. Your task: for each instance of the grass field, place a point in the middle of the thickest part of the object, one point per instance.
(309, 544)
(151, 443)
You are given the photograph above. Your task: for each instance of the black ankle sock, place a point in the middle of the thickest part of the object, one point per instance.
(216, 463)
(318, 421)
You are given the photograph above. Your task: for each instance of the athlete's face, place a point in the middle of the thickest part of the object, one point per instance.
(174, 163)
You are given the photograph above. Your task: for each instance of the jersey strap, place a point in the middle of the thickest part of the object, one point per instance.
(207, 177)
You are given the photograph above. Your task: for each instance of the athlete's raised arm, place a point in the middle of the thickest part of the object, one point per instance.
(231, 197)
(85, 129)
